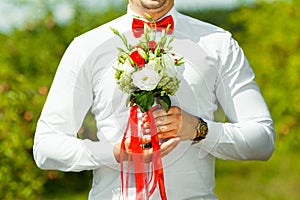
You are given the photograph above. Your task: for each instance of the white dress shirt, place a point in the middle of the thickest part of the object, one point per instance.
(216, 71)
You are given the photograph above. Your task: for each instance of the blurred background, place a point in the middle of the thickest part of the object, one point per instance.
(34, 35)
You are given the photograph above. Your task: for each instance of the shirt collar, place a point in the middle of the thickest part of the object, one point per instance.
(173, 12)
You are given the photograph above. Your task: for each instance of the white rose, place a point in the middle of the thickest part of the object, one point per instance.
(146, 79)
(169, 64)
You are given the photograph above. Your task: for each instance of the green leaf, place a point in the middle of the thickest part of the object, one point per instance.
(131, 61)
(171, 40)
(144, 100)
(121, 50)
(165, 102)
(179, 62)
(149, 17)
(168, 28)
(115, 31)
(143, 53)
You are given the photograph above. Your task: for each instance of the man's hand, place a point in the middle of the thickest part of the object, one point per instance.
(175, 123)
(165, 148)
(174, 126)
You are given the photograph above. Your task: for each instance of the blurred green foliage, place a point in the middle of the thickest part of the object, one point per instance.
(29, 59)
(268, 33)
(271, 39)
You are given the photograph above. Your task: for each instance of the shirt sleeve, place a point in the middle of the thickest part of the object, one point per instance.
(56, 145)
(249, 133)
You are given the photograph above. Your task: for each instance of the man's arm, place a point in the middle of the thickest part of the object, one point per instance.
(56, 145)
(249, 134)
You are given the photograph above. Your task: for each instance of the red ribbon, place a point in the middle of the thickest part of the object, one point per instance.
(142, 181)
(138, 25)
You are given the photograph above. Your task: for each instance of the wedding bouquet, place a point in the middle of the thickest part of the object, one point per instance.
(147, 72)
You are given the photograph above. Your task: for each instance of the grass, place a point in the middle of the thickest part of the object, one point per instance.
(276, 179)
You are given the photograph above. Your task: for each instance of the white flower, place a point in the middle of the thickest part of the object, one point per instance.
(146, 79)
(126, 67)
(154, 64)
(169, 64)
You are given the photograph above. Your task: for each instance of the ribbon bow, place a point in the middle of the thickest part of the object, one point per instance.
(138, 25)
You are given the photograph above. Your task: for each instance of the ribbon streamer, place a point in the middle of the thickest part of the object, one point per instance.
(143, 180)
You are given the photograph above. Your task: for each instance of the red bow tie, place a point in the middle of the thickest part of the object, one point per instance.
(138, 25)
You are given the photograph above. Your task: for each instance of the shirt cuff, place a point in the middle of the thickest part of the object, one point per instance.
(213, 136)
(101, 152)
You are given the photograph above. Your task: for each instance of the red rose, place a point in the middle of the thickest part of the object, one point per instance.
(138, 59)
(152, 45)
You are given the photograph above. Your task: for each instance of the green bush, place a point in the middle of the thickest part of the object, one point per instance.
(29, 59)
(270, 37)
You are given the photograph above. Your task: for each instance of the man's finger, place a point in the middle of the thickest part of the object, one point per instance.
(168, 146)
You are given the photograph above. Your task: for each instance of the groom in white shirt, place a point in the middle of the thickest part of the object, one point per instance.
(216, 71)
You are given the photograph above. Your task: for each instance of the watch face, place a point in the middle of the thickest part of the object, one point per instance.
(203, 129)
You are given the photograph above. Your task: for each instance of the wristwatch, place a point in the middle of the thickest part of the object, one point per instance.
(202, 130)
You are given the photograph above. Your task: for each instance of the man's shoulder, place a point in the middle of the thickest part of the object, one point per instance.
(103, 32)
(197, 27)
(210, 37)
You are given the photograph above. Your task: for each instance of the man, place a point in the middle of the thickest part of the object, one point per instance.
(215, 71)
